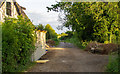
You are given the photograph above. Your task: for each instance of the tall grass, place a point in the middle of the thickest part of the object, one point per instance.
(114, 59)
(57, 41)
(113, 64)
(76, 42)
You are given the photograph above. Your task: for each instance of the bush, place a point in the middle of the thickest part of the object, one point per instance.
(50, 42)
(17, 43)
(76, 42)
(0, 48)
(56, 41)
(101, 47)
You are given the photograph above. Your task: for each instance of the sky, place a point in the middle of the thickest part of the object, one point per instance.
(37, 12)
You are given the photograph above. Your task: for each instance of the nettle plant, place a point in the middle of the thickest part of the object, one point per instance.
(18, 43)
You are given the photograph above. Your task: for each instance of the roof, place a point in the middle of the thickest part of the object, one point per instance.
(18, 8)
(1, 2)
(42, 31)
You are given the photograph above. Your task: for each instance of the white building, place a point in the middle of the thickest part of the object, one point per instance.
(12, 9)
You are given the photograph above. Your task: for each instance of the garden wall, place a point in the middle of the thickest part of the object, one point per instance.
(40, 45)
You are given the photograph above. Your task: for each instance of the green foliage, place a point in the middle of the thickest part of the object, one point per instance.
(56, 41)
(62, 35)
(50, 32)
(18, 43)
(40, 27)
(114, 59)
(0, 48)
(113, 65)
(92, 21)
(74, 39)
(69, 34)
(23, 68)
(84, 44)
(97, 21)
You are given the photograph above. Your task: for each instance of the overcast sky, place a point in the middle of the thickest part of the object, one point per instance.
(36, 10)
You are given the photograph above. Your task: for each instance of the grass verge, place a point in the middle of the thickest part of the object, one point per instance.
(23, 68)
(113, 64)
(76, 42)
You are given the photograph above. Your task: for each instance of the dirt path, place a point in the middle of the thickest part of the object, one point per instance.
(71, 59)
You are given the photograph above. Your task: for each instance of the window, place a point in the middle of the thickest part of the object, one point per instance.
(8, 8)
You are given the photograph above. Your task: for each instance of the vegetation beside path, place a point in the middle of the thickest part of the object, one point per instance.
(18, 44)
(93, 21)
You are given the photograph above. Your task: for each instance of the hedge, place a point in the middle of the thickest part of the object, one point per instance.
(18, 43)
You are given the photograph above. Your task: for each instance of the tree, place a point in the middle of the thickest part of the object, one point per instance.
(70, 34)
(40, 27)
(50, 32)
(92, 21)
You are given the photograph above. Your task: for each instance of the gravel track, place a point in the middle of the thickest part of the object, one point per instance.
(68, 58)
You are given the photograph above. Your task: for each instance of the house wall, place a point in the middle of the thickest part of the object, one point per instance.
(40, 45)
(3, 11)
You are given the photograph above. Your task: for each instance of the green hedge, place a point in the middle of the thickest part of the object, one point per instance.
(0, 48)
(18, 43)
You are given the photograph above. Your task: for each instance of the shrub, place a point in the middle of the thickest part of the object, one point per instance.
(17, 43)
(101, 47)
(56, 41)
(50, 42)
(0, 48)
(76, 42)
